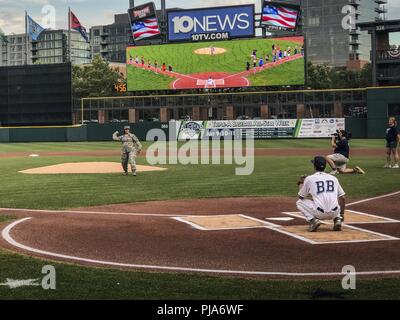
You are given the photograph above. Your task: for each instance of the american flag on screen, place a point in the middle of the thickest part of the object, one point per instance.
(282, 17)
(145, 29)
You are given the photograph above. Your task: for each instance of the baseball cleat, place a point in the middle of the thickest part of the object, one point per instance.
(359, 170)
(134, 173)
(337, 224)
(396, 166)
(334, 172)
(125, 174)
(314, 225)
(387, 166)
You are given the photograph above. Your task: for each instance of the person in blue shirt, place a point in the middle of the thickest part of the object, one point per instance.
(340, 158)
(392, 142)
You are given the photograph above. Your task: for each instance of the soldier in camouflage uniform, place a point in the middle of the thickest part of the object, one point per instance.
(131, 147)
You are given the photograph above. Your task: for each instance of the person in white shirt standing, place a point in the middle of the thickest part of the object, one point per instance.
(210, 83)
(327, 197)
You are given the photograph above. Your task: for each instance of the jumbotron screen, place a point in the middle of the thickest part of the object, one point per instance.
(218, 64)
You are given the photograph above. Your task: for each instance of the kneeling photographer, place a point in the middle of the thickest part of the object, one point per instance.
(341, 157)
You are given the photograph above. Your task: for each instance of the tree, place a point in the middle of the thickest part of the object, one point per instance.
(366, 75)
(325, 77)
(95, 80)
(318, 76)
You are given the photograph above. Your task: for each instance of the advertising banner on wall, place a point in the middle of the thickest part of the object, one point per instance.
(209, 24)
(259, 129)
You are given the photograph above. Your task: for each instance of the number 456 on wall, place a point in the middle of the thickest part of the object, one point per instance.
(120, 87)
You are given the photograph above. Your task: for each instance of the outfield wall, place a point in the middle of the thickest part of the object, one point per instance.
(90, 132)
(103, 132)
(380, 102)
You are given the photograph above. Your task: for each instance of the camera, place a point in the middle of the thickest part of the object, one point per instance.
(336, 134)
(347, 135)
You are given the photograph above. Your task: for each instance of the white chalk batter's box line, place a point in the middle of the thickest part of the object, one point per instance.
(384, 236)
(382, 219)
(293, 235)
(278, 228)
(198, 227)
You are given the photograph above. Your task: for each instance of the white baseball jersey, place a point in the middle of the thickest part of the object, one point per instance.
(210, 83)
(325, 190)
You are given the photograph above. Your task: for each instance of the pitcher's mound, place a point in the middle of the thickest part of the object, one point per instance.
(210, 51)
(86, 168)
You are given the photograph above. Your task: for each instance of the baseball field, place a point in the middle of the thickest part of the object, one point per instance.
(193, 231)
(225, 62)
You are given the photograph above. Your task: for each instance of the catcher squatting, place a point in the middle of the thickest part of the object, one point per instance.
(327, 197)
(131, 148)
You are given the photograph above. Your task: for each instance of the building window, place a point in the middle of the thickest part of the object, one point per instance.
(313, 22)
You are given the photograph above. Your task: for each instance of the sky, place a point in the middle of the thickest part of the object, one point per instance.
(101, 12)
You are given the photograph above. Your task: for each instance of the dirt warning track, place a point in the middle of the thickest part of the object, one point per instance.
(267, 152)
(246, 237)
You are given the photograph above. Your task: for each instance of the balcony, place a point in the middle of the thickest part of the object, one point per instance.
(381, 10)
(355, 32)
(354, 41)
(104, 33)
(390, 55)
(355, 2)
(388, 76)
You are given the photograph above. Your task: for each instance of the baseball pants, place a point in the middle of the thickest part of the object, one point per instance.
(128, 158)
(310, 210)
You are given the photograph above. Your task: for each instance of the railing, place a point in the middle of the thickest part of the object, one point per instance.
(389, 54)
(389, 74)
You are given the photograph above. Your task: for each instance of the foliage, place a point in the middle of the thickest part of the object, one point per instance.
(322, 76)
(95, 80)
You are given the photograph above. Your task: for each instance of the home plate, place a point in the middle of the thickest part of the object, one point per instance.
(217, 82)
(280, 219)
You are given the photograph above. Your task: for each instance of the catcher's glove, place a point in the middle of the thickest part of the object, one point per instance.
(301, 180)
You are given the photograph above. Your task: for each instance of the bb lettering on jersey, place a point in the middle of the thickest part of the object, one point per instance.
(325, 186)
(324, 189)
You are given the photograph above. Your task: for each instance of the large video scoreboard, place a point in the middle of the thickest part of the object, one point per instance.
(36, 95)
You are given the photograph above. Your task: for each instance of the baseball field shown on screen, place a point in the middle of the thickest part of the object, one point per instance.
(218, 64)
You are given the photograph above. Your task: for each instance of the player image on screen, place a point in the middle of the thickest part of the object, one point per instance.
(239, 63)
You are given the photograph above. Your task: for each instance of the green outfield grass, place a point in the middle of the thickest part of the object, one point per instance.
(273, 176)
(185, 61)
(69, 191)
(290, 73)
(141, 80)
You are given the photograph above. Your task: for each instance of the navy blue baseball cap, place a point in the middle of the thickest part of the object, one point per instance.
(319, 163)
